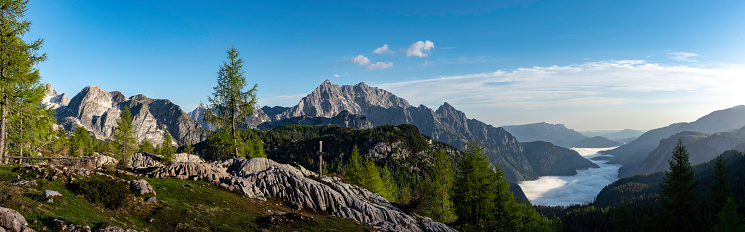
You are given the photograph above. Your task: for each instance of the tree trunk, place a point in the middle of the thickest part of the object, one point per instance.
(235, 139)
(3, 120)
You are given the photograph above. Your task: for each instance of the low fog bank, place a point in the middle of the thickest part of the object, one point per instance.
(577, 189)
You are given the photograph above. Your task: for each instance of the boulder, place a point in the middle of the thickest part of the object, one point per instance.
(12, 221)
(189, 170)
(142, 160)
(25, 183)
(141, 187)
(184, 157)
(98, 161)
(50, 193)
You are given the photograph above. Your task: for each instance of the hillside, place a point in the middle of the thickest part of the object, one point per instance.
(596, 142)
(636, 151)
(549, 160)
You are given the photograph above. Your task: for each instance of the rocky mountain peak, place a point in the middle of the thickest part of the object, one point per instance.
(52, 99)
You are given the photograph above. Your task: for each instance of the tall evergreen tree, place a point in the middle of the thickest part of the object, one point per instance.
(18, 75)
(80, 142)
(719, 189)
(389, 185)
(728, 218)
(440, 204)
(678, 200)
(354, 167)
(229, 103)
(166, 148)
(124, 138)
(372, 177)
(483, 201)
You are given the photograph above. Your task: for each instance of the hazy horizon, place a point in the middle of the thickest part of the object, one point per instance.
(588, 65)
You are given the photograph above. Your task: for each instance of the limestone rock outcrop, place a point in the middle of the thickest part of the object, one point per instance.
(344, 119)
(11, 220)
(263, 178)
(142, 160)
(98, 161)
(183, 157)
(98, 112)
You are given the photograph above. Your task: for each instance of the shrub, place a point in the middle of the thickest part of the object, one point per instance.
(112, 194)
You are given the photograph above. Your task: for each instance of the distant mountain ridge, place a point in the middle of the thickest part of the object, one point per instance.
(98, 112)
(559, 135)
(630, 155)
(445, 124)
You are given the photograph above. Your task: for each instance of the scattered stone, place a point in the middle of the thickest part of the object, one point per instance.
(141, 187)
(114, 229)
(151, 200)
(25, 183)
(143, 160)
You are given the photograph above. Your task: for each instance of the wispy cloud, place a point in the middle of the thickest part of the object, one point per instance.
(420, 48)
(608, 83)
(383, 49)
(379, 65)
(336, 75)
(360, 60)
(682, 56)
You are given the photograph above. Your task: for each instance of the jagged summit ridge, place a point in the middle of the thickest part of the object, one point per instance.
(98, 110)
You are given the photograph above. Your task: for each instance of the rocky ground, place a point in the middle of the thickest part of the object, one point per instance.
(268, 195)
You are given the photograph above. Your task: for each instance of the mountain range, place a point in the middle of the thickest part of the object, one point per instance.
(446, 124)
(634, 156)
(559, 135)
(98, 112)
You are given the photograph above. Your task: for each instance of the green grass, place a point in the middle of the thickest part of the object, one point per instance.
(183, 205)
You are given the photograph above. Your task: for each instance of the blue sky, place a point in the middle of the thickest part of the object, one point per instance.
(588, 64)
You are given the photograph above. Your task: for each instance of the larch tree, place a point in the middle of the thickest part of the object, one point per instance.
(354, 167)
(124, 138)
(440, 204)
(18, 75)
(678, 199)
(230, 103)
(166, 148)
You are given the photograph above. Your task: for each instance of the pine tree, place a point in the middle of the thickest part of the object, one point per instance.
(124, 138)
(166, 148)
(440, 205)
(229, 104)
(19, 79)
(678, 198)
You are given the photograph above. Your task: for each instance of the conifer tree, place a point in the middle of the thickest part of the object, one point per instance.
(80, 142)
(678, 199)
(389, 184)
(372, 177)
(166, 148)
(257, 148)
(147, 147)
(124, 138)
(19, 79)
(729, 219)
(354, 168)
(229, 103)
(483, 201)
(719, 190)
(440, 204)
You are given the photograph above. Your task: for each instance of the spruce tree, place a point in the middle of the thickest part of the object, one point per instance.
(19, 79)
(728, 218)
(124, 138)
(719, 190)
(440, 204)
(229, 103)
(678, 199)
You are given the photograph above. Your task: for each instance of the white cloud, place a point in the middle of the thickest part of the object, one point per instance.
(336, 75)
(383, 49)
(420, 49)
(379, 65)
(594, 84)
(360, 60)
(682, 56)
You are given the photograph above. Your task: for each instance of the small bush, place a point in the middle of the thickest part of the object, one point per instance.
(112, 194)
